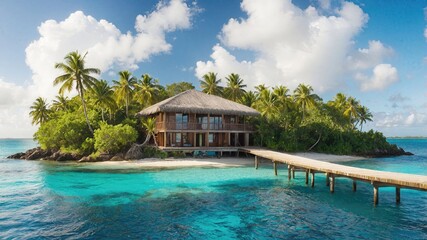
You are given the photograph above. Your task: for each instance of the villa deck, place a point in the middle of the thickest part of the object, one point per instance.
(310, 167)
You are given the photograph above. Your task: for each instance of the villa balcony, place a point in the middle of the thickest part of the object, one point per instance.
(202, 127)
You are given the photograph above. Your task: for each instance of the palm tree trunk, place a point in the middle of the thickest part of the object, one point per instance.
(147, 139)
(127, 107)
(155, 141)
(85, 112)
(102, 114)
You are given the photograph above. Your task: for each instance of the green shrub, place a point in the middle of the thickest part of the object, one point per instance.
(113, 139)
(66, 131)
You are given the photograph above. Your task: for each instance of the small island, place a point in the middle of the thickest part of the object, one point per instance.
(104, 122)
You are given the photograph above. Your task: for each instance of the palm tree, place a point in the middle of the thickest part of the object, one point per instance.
(39, 111)
(234, 89)
(364, 115)
(267, 104)
(210, 84)
(339, 102)
(76, 74)
(282, 94)
(104, 96)
(123, 89)
(60, 103)
(249, 99)
(150, 126)
(304, 98)
(146, 90)
(351, 109)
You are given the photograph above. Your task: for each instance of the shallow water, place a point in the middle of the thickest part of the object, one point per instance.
(48, 200)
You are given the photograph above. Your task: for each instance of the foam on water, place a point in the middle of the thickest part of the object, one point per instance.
(50, 200)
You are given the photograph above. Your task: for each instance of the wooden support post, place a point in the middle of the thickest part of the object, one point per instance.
(397, 194)
(275, 168)
(306, 176)
(289, 172)
(256, 162)
(332, 183)
(354, 186)
(312, 178)
(327, 179)
(375, 194)
(293, 172)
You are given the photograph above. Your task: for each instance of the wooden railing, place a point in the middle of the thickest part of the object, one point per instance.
(204, 126)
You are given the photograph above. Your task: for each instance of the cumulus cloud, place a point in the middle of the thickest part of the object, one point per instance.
(366, 58)
(108, 49)
(383, 75)
(11, 94)
(295, 45)
(398, 119)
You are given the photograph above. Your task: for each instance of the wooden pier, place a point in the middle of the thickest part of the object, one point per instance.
(311, 167)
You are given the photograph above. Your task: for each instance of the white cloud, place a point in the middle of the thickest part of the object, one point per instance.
(383, 75)
(295, 45)
(366, 58)
(399, 119)
(11, 94)
(108, 49)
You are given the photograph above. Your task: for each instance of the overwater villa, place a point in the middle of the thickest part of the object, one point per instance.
(193, 120)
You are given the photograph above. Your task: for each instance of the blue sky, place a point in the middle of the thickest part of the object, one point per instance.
(375, 51)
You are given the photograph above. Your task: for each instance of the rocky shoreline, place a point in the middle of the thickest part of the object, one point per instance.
(137, 152)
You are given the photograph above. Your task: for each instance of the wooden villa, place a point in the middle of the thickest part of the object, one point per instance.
(193, 120)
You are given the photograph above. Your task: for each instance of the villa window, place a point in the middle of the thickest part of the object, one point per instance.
(178, 138)
(181, 121)
(215, 122)
(211, 137)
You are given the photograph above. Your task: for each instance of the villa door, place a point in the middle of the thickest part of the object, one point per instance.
(200, 140)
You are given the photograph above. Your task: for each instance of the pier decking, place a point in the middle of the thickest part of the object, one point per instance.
(310, 167)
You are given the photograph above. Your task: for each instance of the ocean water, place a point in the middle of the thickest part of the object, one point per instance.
(46, 200)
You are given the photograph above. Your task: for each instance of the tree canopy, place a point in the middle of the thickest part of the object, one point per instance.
(289, 121)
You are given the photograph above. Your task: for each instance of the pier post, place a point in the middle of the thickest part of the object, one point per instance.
(293, 172)
(375, 194)
(275, 168)
(256, 162)
(354, 186)
(289, 172)
(327, 179)
(332, 183)
(306, 176)
(312, 178)
(397, 194)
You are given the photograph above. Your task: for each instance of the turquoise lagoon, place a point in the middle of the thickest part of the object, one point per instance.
(40, 200)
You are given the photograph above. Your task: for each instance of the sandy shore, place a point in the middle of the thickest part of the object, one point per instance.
(211, 162)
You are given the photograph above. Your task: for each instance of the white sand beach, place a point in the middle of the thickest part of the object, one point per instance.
(211, 162)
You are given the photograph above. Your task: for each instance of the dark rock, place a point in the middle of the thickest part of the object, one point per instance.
(86, 159)
(17, 155)
(104, 157)
(391, 152)
(136, 151)
(118, 157)
(68, 157)
(39, 154)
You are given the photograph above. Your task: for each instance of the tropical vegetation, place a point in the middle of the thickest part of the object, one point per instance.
(101, 117)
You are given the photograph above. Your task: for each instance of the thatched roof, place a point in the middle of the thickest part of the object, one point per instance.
(193, 101)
